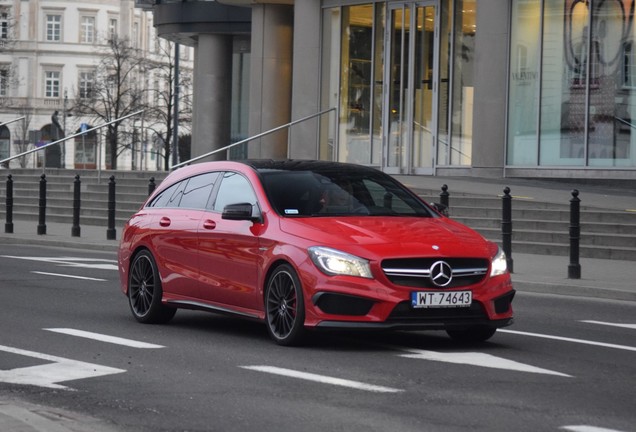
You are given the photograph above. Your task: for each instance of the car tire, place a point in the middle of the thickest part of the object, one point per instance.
(472, 334)
(145, 292)
(284, 306)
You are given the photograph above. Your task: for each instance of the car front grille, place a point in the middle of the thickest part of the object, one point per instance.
(417, 272)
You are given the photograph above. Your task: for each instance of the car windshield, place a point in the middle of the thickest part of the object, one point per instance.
(332, 192)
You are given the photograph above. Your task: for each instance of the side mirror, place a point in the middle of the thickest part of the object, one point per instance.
(440, 208)
(239, 211)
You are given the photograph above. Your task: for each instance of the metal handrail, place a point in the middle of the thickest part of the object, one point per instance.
(260, 135)
(69, 137)
(625, 122)
(11, 121)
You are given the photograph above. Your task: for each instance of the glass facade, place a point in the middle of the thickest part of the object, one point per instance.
(401, 77)
(572, 84)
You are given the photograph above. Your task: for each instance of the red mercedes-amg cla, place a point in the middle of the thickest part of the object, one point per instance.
(309, 245)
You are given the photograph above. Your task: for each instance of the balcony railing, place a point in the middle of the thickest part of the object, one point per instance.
(43, 103)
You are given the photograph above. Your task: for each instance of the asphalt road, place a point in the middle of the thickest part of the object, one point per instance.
(68, 341)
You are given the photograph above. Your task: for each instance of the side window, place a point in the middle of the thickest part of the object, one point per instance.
(197, 191)
(234, 189)
(169, 197)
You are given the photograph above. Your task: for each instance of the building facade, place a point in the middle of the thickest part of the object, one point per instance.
(528, 88)
(49, 52)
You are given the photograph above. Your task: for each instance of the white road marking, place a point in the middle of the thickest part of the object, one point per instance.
(629, 326)
(92, 263)
(104, 338)
(566, 339)
(478, 359)
(48, 375)
(322, 379)
(69, 276)
(585, 428)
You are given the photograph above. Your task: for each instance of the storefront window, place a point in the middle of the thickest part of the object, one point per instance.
(563, 83)
(524, 83)
(587, 83)
(612, 123)
(356, 84)
(462, 92)
(445, 53)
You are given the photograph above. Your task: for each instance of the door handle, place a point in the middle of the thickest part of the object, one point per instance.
(209, 224)
(164, 221)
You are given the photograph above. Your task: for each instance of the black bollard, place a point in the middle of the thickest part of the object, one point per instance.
(151, 185)
(8, 226)
(574, 269)
(506, 227)
(444, 196)
(42, 206)
(75, 229)
(111, 234)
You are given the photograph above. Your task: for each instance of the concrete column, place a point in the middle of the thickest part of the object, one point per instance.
(270, 79)
(305, 94)
(489, 115)
(213, 96)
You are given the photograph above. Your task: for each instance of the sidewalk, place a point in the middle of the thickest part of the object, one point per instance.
(611, 279)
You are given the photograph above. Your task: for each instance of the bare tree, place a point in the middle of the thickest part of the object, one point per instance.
(115, 92)
(22, 143)
(161, 115)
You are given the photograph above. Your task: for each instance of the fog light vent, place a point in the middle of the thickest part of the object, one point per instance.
(502, 304)
(341, 304)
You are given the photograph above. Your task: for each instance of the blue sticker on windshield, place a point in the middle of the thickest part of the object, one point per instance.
(291, 211)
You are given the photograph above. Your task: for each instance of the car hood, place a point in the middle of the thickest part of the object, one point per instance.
(397, 236)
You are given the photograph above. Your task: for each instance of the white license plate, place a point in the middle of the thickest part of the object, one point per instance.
(441, 299)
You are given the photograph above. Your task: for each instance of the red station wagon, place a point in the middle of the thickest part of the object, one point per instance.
(309, 245)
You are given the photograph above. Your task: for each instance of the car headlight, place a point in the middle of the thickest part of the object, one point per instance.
(499, 264)
(335, 262)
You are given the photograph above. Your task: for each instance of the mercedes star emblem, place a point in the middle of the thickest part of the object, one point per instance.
(441, 273)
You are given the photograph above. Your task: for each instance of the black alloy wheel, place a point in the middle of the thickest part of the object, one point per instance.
(284, 307)
(144, 291)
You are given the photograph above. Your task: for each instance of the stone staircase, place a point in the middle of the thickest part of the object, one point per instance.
(538, 227)
(543, 228)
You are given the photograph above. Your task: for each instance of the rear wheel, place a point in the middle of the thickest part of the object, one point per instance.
(472, 334)
(284, 307)
(144, 291)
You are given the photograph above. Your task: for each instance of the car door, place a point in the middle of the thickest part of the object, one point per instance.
(177, 213)
(228, 249)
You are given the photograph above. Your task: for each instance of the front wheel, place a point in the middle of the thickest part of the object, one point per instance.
(284, 307)
(144, 291)
(472, 334)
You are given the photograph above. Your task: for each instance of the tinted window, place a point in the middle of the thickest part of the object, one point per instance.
(197, 191)
(169, 197)
(234, 189)
(331, 192)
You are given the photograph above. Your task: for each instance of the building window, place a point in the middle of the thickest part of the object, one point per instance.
(113, 28)
(135, 35)
(53, 28)
(52, 84)
(87, 29)
(629, 65)
(86, 84)
(4, 28)
(4, 81)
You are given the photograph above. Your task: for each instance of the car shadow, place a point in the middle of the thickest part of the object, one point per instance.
(202, 324)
